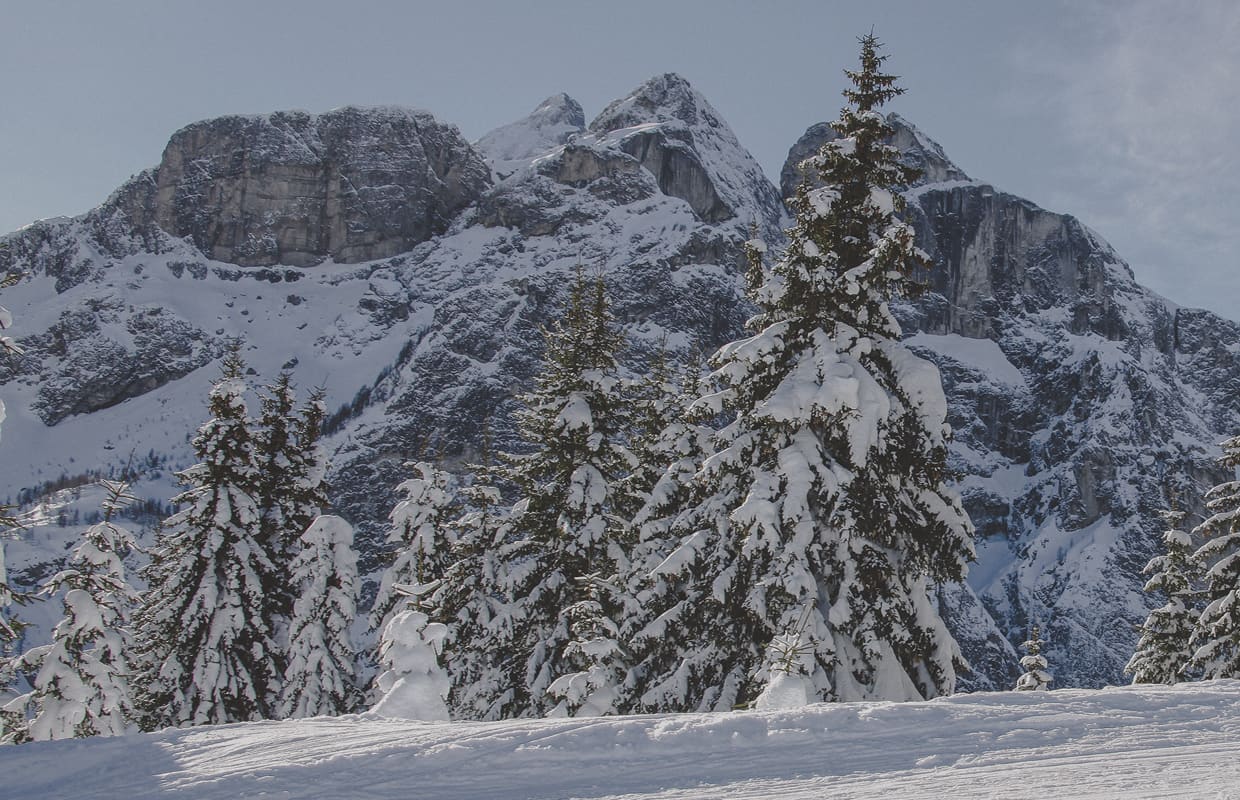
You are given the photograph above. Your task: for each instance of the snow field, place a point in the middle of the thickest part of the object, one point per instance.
(1129, 742)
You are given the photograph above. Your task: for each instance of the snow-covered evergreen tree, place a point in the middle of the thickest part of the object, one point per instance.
(204, 638)
(309, 491)
(321, 676)
(1165, 648)
(467, 599)
(680, 446)
(413, 683)
(421, 531)
(275, 451)
(598, 684)
(11, 663)
(654, 404)
(1035, 677)
(1216, 636)
(291, 490)
(660, 433)
(81, 683)
(825, 498)
(10, 625)
(565, 543)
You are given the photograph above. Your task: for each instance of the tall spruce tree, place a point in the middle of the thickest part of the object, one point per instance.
(1165, 647)
(421, 531)
(825, 497)
(566, 543)
(81, 683)
(10, 625)
(321, 675)
(275, 453)
(1217, 633)
(680, 447)
(653, 407)
(207, 650)
(290, 487)
(310, 464)
(467, 600)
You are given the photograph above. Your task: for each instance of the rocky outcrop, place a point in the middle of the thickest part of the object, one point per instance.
(667, 153)
(83, 369)
(294, 188)
(670, 129)
(1074, 424)
(916, 150)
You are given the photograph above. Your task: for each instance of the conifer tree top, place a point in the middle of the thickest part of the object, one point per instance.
(871, 87)
(848, 254)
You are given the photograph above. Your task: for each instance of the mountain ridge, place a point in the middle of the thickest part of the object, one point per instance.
(421, 350)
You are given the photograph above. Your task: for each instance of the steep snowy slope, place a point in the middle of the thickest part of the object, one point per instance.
(1076, 395)
(1147, 742)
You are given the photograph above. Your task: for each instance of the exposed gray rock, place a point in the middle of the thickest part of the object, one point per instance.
(669, 156)
(1069, 458)
(580, 166)
(49, 248)
(680, 139)
(294, 188)
(535, 207)
(80, 368)
(917, 150)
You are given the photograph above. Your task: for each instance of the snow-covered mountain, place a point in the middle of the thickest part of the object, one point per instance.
(1131, 742)
(376, 253)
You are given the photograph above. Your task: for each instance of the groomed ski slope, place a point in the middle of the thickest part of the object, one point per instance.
(1151, 742)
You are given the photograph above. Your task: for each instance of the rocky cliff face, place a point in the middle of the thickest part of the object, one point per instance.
(1099, 422)
(294, 188)
(1077, 396)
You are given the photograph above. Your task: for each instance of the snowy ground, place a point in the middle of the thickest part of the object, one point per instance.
(1148, 742)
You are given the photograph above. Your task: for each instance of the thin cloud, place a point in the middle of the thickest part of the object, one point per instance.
(1147, 96)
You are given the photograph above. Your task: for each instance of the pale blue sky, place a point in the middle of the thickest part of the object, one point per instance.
(1122, 113)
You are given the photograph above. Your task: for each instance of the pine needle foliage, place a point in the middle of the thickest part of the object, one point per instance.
(1164, 650)
(82, 681)
(825, 497)
(564, 537)
(1216, 636)
(205, 642)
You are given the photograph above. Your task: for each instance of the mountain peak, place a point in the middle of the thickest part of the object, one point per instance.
(561, 108)
(916, 150)
(549, 125)
(670, 128)
(664, 98)
(924, 153)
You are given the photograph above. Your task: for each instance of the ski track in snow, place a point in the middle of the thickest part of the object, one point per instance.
(1142, 742)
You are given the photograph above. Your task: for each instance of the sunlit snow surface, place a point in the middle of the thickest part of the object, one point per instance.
(1147, 742)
